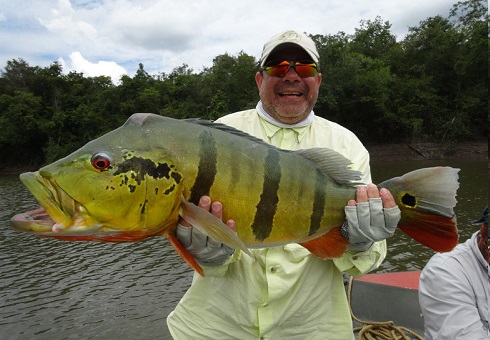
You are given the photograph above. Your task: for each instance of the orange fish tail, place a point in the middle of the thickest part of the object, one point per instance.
(426, 198)
(437, 232)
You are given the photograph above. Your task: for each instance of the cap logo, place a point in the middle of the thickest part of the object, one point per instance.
(291, 36)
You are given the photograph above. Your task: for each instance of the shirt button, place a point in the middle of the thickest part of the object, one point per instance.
(273, 270)
(355, 257)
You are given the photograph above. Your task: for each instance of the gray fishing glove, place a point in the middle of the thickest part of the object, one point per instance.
(203, 249)
(368, 222)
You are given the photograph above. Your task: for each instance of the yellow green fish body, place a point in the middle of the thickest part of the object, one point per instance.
(134, 182)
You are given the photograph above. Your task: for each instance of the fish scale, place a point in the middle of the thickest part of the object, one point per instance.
(276, 173)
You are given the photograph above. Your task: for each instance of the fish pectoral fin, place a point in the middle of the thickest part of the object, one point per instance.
(180, 249)
(329, 246)
(211, 226)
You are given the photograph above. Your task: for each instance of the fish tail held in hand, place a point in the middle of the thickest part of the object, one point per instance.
(426, 198)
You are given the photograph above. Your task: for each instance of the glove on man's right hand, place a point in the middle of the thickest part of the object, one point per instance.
(205, 250)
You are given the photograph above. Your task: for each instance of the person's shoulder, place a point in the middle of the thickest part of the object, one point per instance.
(321, 122)
(236, 116)
(330, 127)
(451, 258)
(246, 121)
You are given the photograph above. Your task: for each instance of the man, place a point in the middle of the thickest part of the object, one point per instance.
(454, 290)
(285, 292)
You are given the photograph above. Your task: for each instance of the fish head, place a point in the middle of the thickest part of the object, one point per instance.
(105, 191)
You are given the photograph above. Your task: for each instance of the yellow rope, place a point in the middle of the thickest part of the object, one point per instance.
(379, 330)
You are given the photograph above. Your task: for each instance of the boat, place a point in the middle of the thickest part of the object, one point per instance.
(386, 303)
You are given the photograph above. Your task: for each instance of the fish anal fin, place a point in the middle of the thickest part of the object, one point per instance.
(432, 230)
(179, 248)
(329, 246)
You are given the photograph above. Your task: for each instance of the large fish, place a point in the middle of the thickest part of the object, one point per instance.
(135, 181)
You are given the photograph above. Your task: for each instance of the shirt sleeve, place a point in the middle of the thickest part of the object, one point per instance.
(358, 264)
(448, 303)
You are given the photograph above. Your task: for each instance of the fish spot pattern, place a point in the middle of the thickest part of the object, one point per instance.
(169, 190)
(409, 200)
(139, 168)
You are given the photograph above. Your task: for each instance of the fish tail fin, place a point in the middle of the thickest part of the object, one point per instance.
(329, 246)
(180, 249)
(426, 198)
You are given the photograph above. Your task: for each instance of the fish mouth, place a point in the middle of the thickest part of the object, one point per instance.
(63, 218)
(60, 215)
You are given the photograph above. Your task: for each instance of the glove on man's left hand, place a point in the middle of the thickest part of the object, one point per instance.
(373, 217)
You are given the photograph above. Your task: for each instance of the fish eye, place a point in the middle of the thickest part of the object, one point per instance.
(101, 161)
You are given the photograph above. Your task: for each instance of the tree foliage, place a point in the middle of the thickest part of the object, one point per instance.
(430, 85)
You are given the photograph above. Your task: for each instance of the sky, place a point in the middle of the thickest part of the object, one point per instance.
(112, 37)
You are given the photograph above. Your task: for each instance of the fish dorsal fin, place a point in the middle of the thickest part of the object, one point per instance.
(332, 164)
(228, 129)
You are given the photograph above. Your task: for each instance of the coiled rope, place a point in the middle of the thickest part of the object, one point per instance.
(379, 330)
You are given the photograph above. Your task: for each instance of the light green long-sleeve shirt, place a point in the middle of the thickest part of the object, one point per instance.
(282, 292)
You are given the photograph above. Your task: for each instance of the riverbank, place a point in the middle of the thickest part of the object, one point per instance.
(382, 153)
(428, 151)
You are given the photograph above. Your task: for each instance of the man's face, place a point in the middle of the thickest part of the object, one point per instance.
(291, 98)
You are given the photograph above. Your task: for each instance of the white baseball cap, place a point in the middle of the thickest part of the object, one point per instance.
(289, 37)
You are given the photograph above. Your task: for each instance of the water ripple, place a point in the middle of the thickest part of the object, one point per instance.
(72, 290)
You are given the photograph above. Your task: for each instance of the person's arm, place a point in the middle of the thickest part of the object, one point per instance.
(448, 304)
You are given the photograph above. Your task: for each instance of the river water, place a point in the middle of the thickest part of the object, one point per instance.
(51, 289)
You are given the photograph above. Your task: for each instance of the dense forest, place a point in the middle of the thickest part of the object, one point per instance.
(430, 86)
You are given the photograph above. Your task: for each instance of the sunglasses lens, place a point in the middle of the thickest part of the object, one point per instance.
(306, 70)
(280, 69)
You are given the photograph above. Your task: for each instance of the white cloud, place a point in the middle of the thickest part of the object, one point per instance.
(164, 34)
(66, 23)
(102, 68)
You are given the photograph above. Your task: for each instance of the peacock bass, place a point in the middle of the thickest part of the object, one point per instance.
(135, 181)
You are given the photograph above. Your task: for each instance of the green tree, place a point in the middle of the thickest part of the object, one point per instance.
(471, 68)
(234, 77)
(22, 129)
(432, 85)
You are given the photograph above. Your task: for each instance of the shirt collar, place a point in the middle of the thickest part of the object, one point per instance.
(272, 126)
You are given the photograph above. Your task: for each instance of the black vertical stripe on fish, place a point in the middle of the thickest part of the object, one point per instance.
(267, 206)
(207, 169)
(318, 204)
